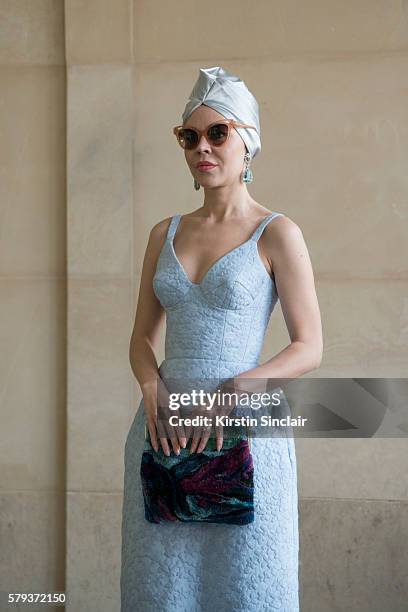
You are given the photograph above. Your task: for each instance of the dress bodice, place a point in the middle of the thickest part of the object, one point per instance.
(225, 316)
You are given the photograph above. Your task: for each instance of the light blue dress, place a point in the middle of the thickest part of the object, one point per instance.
(214, 330)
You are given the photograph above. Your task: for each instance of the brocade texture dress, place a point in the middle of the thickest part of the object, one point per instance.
(214, 330)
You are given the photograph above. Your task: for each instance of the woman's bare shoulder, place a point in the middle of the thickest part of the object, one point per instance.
(280, 234)
(282, 225)
(157, 238)
(159, 230)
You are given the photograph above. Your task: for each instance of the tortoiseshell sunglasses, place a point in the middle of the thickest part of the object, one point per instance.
(216, 133)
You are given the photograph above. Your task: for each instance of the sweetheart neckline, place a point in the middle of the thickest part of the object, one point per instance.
(240, 246)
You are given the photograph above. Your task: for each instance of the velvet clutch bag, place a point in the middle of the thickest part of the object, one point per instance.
(210, 487)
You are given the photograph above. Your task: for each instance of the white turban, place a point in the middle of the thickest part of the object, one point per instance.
(228, 95)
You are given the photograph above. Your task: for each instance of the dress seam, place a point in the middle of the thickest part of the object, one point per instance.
(210, 359)
(250, 330)
(222, 342)
(226, 312)
(249, 333)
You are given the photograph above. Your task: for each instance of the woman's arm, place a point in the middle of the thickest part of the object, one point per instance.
(150, 315)
(284, 246)
(149, 318)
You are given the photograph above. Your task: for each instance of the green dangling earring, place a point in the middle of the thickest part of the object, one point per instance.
(248, 177)
(196, 185)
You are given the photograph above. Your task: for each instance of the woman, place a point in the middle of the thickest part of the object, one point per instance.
(216, 273)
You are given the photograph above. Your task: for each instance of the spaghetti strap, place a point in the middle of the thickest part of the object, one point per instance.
(173, 226)
(257, 233)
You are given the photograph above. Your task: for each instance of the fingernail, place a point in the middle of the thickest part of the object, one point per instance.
(183, 442)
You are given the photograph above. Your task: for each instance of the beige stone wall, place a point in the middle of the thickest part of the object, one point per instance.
(33, 297)
(332, 82)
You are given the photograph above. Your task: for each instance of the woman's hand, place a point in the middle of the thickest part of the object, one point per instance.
(156, 399)
(202, 434)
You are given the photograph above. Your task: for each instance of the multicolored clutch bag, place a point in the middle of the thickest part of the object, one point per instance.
(211, 486)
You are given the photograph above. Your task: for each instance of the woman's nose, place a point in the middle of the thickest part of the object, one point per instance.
(203, 144)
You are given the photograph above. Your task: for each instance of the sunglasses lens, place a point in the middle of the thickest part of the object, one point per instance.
(188, 138)
(218, 133)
